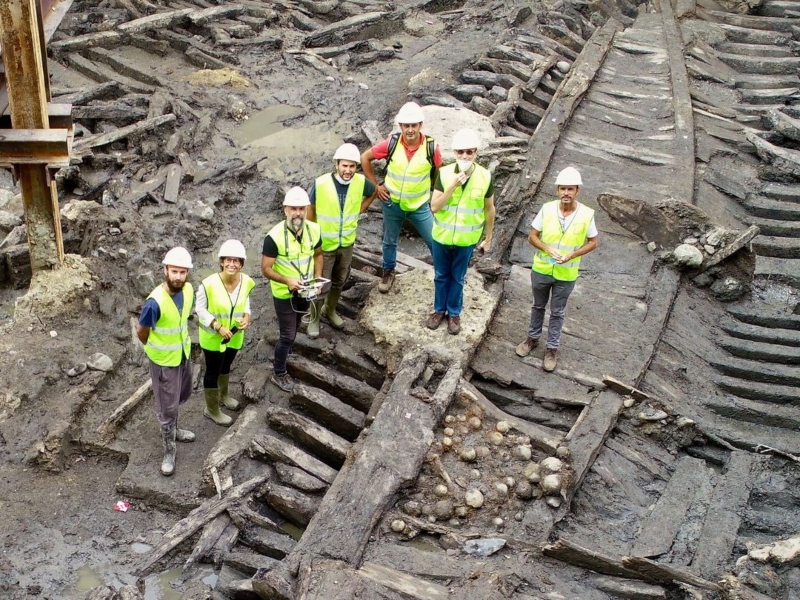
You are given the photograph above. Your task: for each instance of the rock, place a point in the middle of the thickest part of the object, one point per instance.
(461, 511)
(651, 247)
(563, 452)
(237, 109)
(553, 501)
(363, 86)
(714, 237)
(502, 426)
(686, 255)
(482, 452)
(522, 452)
(628, 402)
(198, 210)
(143, 283)
(474, 474)
(531, 472)
(552, 464)
(510, 481)
(412, 508)
(448, 432)
(786, 552)
(8, 221)
(473, 498)
(523, 490)
(53, 333)
(709, 249)
(443, 510)
(475, 423)
(551, 484)
(17, 236)
(449, 419)
(691, 241)
(468, 454)
(398, 525)
(495, 438)
(441, 490)
(501, 488)
(447, 442)
(100, 362)
(683, 422)
(498, 522)
(728, 288)
(483, 547)
(653, 415)
(6, 196)
(563, 66)
(77, 370)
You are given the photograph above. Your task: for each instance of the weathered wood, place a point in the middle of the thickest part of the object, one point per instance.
(340, 418)
(343, 30)
(575, 554)
(195, 520)
(541, 437)
(520, 190)
(629, 588)
(144, 189)
(299, 479)
(349, 390)
(407, 585)
(173, 183)
(248, 562)
(103, 91)
(276, 450)
(112, 111)
(106, 39)
(265, 541)
(243, 516)
(108, 427)
(724, 253)
(184, 43)
(200, 59)
(201, 17)
(230, 446)
(328, 446)
(211, 533)
(125, 67)
(157, 21)
(623, 389)
(661, 573)
(296, 506)
(104, 73)
(721, 525)
(104, 139)
(658, 531)
(227, 540)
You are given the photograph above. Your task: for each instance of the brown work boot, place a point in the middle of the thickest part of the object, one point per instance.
(434, 320)
(387, 281)
(453, 325)
(550, 360)
(525, 347)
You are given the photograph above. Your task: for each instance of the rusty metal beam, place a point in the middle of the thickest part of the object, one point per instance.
(59, 116)
(21, 40)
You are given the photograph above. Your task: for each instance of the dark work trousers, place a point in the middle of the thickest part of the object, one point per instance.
(289, 312)
(217, 363)
(557, 292)
(172, 386)
(336, 266)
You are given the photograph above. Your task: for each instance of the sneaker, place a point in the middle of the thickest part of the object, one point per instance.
(453, 325)
(434, 320)
(285, 381)
(550, 360)
(387, 280)
(525, 347)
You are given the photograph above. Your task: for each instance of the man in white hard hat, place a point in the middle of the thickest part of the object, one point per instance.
(337, 199)
(562, 232)
(164, 330)
(223, 309)
(291, 258)
(463, 211)
(412, 161)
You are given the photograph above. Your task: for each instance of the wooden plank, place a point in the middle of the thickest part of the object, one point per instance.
(520, 190)
(328, 446)
(408, 585)
(105, 39)
(343, 30)
(173, 184)
(349, 390)
(276, 450)
(721, 525)
(230, 446)
(211, 533)
(104, 139)
(156, 21)
(344, 420)
(664, 574)
(575, 554)
(295, 505)
(663, 523)
(108, 427)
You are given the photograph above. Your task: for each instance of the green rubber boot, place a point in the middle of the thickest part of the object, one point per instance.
(230, 403)
(330, 309)
(212, 410)
(315, 312)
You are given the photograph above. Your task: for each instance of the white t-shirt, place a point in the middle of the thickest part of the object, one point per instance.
(565, 222)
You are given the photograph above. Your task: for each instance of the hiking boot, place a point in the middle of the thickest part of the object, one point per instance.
(212, 410)
(329, 309)
(168, 437)
(525, 347)
(285, 381)
(434, 320)
(227, 401)
(453, 325)
(550, 360)
(387, 281)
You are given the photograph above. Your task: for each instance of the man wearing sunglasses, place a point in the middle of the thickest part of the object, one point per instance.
(463, 210)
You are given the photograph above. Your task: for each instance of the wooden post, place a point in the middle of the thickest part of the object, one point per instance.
(27, 98)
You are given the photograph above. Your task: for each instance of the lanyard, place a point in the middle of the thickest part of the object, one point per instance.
(300, 241)
(230, 296)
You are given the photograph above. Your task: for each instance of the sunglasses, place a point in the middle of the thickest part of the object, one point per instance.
(466, 152)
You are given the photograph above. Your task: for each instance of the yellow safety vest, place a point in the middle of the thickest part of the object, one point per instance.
(295, 259)
(409, 182)
(169, 338)
(460, 221)
(220, 307)
(566, 241)
(338, 226)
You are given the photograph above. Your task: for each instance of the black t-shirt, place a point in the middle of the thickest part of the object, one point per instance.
(341, 191)
(270, 248)
(489, 193)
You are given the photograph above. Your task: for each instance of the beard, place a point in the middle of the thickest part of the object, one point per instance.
(175, 286)
(295, 223)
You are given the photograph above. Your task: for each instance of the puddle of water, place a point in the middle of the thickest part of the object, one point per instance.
(87, 579)
(160, 586)
(424, 545)
(293, 530)
(265, 124)
(140, 548)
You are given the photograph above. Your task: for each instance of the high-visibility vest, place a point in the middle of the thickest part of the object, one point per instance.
(219, 306)
(169, 337)
(295, 259)
(565, 241)
(409, 182)
(460, 222)
(338, 225)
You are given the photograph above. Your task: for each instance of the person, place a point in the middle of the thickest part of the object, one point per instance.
(337, 199)
(223, 308)
(562, 231)
(410, 169)
(291, 255)
(463, 210)
(163, 328)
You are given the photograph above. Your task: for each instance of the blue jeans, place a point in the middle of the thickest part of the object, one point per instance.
(557, 292)
(450, 270)
(393, 218)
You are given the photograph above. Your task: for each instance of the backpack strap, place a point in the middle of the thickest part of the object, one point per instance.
(431, 148)
(393, 139)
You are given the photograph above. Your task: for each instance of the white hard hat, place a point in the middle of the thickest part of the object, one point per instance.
(409, 113)
(232, 249)
(347, 152)
(466, 139)
(178, 257)
(296, 196)
(569, 176)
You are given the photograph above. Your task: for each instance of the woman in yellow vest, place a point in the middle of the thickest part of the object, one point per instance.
(562, 232)
(223, 308)
(463, 209)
